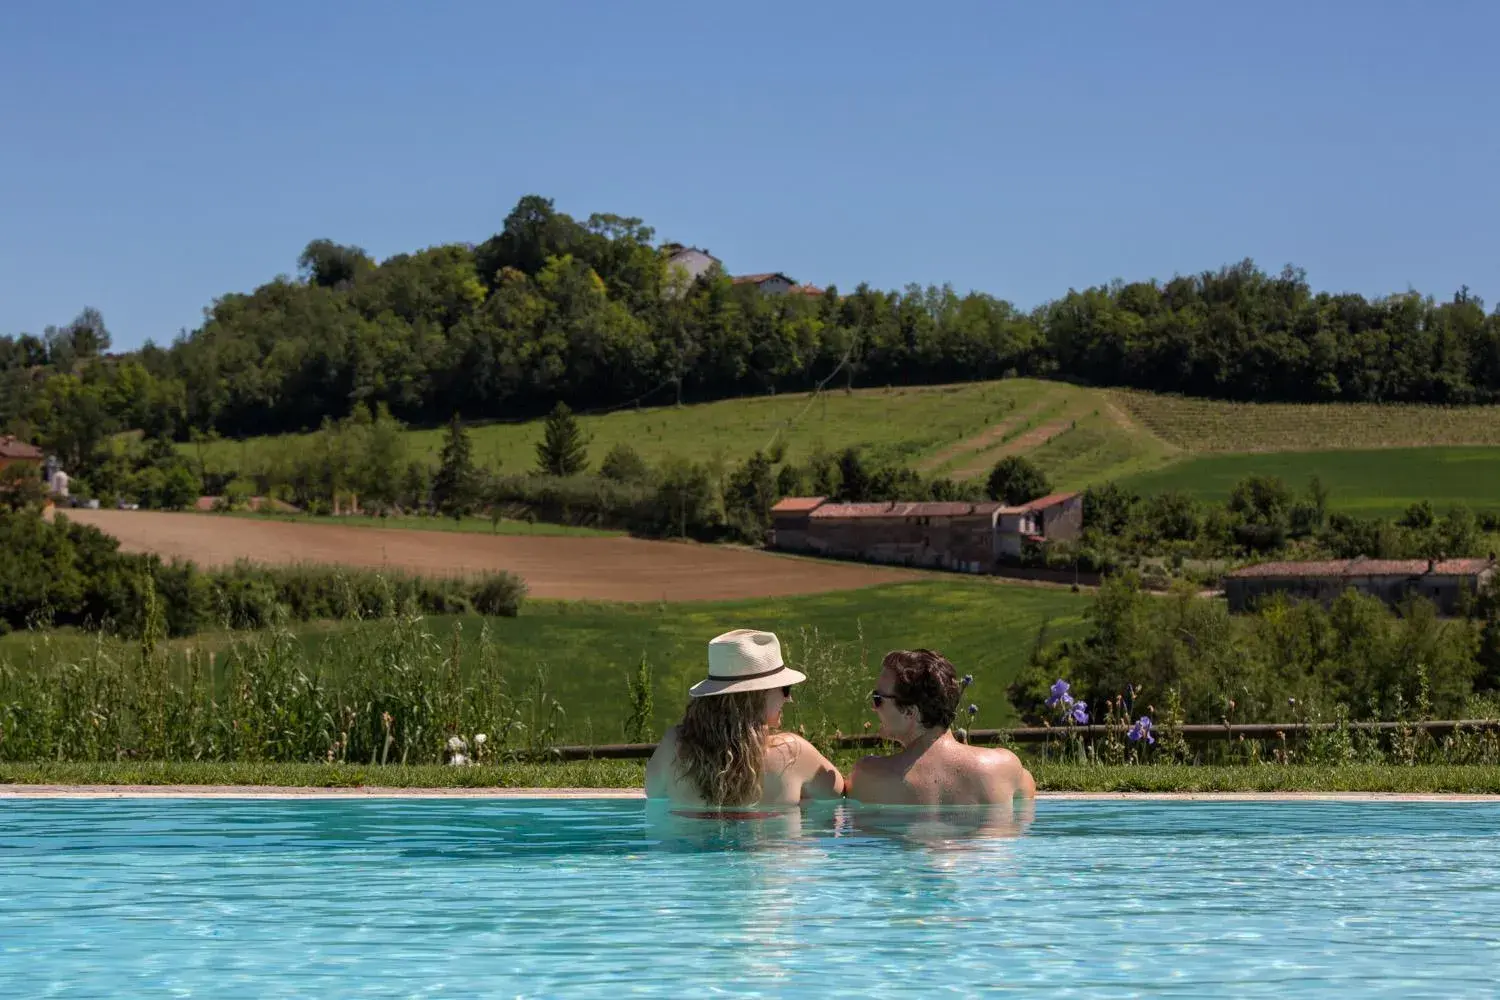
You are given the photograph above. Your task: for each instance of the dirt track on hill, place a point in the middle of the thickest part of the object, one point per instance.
(604, 569)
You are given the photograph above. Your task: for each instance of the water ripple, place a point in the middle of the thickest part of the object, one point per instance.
(597, 898)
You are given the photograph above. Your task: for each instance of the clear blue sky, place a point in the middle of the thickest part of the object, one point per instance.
(156, 155)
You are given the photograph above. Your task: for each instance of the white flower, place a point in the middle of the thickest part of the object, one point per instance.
(459, 760)
(479, 739)
(455, 743)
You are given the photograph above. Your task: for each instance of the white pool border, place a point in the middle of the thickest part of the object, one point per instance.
(372, 792)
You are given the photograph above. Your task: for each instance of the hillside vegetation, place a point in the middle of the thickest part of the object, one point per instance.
(588, 312)
(1206, 425)
(954, 430)
(1375, 459)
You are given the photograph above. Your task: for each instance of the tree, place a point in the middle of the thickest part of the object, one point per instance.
(1015, 480)
(687, 498)
(21, 487)
(1172, 516)
(455, 488)
(853, 478)
(1108, 508)
(748, 498)
(1261, 500)
(624, 464)
(562, 450)
(331, 265)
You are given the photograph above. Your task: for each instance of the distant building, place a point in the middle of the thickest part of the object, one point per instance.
(1055, 517)
(690, 262)
(57, 484)
(774, 283)
(970, 537)
(16, 452)
(810, 291)
(1441, 581)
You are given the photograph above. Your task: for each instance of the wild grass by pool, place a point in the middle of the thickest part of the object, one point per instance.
(1369, 482)
(586, 652)
(600, 898)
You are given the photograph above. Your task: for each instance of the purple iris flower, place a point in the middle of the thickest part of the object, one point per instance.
(1141, 730)
(1080, 713)
(1059, 693)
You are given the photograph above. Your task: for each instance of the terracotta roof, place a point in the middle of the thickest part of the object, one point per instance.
(760, 279)
(950, 508)
(1042, 503)
(798, 505)
(1328, 568)
(12, 448)
(812, 291)
(1362, 567)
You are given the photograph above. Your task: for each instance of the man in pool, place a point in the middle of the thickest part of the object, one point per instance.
(916, 699)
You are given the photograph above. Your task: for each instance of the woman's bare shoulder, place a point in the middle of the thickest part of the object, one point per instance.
(783, 738)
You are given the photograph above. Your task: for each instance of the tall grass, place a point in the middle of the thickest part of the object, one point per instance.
(390, 692)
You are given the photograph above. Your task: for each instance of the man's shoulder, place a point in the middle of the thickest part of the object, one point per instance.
(993, 757)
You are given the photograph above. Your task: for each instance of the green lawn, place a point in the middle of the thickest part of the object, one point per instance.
(1368, 482)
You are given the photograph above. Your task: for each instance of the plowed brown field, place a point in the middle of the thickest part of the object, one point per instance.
(606, 569)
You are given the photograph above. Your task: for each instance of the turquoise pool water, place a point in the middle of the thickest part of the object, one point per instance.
(247, 898)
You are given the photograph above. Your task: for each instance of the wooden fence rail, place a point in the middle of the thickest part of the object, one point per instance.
(1041, 734)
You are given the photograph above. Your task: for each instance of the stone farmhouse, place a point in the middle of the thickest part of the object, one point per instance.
(962, 536)
(1442, 581)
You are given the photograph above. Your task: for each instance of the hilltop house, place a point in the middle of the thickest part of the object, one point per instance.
(16, 452)
(970, 537)
(1442, 581)
(690, 262)
(774, 283)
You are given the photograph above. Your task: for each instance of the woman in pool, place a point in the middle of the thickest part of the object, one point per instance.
(726, 753)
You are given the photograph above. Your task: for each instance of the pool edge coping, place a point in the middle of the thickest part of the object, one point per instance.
(20, 791)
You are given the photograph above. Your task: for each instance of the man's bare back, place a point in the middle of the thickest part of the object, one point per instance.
(942, 772)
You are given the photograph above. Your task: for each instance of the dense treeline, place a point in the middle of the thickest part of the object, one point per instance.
(1263, 518)
(1290, 660)
(58, 573)
(586, 312)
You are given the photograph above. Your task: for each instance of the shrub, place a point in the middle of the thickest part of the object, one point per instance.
(624, 464)
(499, 594)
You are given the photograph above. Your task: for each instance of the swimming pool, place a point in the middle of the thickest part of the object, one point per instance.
(388, 897)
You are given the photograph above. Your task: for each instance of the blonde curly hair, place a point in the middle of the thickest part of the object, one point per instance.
(721, 747)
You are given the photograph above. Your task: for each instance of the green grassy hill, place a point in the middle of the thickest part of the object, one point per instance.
(1374, 458)
(1372, 483)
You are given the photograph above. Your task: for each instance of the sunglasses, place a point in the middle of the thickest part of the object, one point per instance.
(877, 697)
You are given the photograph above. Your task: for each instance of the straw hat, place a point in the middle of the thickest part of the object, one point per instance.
(745, 660)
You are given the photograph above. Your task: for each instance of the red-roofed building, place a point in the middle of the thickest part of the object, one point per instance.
(774, 283)
(1057, 516)
(1442, 581)
(958, 535)
(14, 451)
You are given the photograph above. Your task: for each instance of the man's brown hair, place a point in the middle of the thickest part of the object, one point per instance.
(926, 681)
